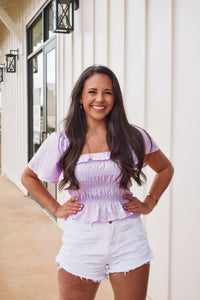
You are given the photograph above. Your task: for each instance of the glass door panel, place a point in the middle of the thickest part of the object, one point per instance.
(50, 92)
(43, 107)
(38, 103)
(41, 44)
(50, 98)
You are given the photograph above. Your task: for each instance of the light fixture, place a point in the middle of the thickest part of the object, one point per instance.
(63, 15)
(2, 68)
(11, 61)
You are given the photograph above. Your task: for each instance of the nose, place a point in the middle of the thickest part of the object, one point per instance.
(99, 97)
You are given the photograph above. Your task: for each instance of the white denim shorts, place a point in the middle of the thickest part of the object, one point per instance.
(92, 251)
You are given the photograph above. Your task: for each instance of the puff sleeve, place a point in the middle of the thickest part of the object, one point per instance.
(150, 145)
(45, 162)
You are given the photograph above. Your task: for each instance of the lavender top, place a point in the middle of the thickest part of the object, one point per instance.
(96, 173)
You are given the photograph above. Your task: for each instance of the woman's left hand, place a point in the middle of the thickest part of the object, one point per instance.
(136, 206)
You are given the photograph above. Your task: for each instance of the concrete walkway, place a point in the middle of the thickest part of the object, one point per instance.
(29, 242)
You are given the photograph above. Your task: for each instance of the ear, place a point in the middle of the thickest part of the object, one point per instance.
(81, 101)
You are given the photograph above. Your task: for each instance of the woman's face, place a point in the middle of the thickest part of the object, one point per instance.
(97, 97)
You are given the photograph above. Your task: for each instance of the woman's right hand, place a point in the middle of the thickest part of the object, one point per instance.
(68, 208)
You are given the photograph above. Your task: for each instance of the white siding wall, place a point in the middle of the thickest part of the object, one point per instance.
(14, 118)
(153, 47)
(14, 95)
(158, 122)
(185, 241)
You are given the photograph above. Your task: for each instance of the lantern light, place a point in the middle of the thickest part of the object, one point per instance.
(63, 15)
(11, 61)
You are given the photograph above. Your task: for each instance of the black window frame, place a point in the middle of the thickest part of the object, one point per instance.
(44, 13)
(46, 41)
(45, 26)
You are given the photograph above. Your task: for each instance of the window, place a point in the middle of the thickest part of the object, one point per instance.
(36, 36)
(41, 28)
(42, 104)
(48, 32)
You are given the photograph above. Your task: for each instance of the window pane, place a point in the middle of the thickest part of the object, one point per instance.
(37, 34)
(51, 113)
(50, 103)
(48, 26)
(50, 22)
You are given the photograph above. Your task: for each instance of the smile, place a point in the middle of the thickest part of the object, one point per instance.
(98, 107)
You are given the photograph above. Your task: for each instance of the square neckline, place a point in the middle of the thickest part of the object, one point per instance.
(95, 153)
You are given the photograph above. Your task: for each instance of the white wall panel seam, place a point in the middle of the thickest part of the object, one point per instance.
(171, 146)
(108, 33)
(108, 30)
(124, 56)
(82, 35)
(101, 32)
(145, 85)
(146, 64)
(93, 31)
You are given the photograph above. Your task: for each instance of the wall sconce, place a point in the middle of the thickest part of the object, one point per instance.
(11, 61)
(2, 68)
(63, 15)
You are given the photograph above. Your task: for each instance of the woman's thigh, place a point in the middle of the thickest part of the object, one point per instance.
(131, 285)
(72, 287)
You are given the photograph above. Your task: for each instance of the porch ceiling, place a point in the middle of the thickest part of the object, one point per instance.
(9, 7)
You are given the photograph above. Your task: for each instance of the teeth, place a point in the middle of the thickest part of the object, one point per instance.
(98, 107)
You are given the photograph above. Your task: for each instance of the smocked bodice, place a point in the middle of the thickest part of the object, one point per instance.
(99, 189)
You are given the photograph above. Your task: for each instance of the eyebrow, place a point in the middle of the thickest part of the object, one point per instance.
(96, 89)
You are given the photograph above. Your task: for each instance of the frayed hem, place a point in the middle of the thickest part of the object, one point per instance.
(128, 269)
(82, 277)
(146, 263)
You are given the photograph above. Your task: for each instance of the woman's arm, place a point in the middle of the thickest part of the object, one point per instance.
(37, 189)
(164, 172)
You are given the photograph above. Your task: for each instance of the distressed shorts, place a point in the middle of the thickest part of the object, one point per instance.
(92, 251)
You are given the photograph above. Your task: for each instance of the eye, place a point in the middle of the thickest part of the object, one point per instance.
(91, 92)
(109, 93)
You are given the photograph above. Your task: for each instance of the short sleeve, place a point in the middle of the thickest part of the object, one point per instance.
(150, 144)
(45, 162)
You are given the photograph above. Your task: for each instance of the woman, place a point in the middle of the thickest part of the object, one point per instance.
(99, 153)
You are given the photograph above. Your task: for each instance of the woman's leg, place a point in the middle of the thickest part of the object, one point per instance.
(131, 285)
(72, 287)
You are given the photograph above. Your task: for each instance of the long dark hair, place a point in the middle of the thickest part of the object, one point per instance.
(122, 137)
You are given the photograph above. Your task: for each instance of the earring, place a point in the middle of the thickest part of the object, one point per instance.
(81, 106)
